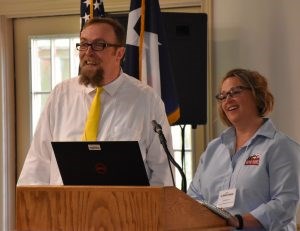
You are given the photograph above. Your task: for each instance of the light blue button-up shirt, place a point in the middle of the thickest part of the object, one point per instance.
(265, 172)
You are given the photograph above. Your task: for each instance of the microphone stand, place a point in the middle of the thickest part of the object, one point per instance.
(163, 141)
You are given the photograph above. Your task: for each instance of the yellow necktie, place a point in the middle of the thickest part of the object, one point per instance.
(92, 122)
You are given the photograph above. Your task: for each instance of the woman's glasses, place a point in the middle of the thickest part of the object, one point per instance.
(233, 92)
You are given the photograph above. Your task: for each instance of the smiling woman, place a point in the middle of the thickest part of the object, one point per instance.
(245, 165)
(261, 102)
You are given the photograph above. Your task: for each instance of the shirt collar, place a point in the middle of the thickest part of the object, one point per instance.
(267, 129)
(110, 88)
(113, 87)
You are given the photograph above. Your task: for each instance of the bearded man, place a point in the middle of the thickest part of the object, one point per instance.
(127, 109)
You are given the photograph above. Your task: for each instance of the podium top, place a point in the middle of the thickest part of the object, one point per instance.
(111, 208)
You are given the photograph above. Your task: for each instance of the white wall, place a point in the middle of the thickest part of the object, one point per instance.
(263, 35)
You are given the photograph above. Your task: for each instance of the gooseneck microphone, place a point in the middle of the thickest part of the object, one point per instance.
(158, 129)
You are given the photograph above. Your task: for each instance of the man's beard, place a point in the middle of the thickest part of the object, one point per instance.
(93, 78)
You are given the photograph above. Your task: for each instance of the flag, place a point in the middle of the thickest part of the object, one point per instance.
(147, 57)
(90, 9)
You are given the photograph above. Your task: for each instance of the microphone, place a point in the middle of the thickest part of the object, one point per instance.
(158, 129)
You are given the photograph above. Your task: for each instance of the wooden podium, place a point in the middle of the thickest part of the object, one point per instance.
(118, 208)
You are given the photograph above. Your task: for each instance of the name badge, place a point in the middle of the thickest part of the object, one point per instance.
(226, 198)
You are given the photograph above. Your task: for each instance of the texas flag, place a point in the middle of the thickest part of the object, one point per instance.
(147, 56)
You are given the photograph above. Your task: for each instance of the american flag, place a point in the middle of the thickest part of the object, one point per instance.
(90, 9)
(147, 57)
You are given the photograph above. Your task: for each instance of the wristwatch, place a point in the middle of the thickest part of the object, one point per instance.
(241, 222)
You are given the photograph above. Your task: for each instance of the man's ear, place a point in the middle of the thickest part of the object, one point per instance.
(120, 53)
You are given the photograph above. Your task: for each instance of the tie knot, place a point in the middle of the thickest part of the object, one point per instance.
(99, 90)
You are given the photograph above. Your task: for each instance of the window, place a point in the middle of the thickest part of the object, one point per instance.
(54, 59)
(183, 159)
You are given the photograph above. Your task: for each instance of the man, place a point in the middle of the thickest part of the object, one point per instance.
(127, 108)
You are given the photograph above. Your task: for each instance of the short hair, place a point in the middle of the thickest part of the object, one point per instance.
(117, 27)
(259, 87)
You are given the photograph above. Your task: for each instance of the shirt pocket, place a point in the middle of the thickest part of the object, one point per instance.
(124, 133)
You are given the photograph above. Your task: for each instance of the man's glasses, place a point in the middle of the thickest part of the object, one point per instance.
(96, 45)
(232, 93)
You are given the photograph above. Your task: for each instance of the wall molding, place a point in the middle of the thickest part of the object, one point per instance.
(36, 8)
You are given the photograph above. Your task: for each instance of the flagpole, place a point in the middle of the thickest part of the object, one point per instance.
(91, 9)
(141, 42)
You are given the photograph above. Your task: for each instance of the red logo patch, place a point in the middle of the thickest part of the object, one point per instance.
(253, 160)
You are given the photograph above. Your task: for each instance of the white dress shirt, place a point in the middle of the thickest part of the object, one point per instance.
(127, 109)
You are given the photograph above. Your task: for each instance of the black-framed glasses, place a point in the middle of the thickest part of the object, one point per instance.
(96, 45)
(233, 92)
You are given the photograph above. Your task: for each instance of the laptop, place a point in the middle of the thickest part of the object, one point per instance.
(100, 163)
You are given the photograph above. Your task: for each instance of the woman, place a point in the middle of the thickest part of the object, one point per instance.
(251, 169)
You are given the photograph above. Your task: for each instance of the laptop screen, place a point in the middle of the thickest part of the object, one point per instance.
(100, 163)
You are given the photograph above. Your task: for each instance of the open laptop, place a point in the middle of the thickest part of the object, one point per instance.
(100, 163)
